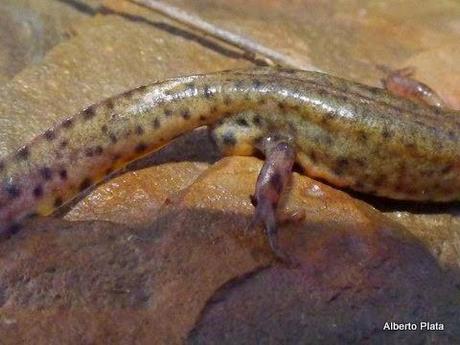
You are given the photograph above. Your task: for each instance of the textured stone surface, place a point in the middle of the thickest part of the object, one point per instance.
(29, 28)
(163, 252)
(193, 273)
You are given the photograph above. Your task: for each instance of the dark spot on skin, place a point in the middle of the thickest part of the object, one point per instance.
(386, 133)
(282, 106)
(113, 138)
(58, 202)
(89, 152)
(374, 90)
(362, 136)
(12, 190)
(437, 110)
(295, 107)
(67, 123)
(322, 92)
(139, 130)
(229, 139)
(227, 100)
(94, 151)
(109, 171)
(13, 228)
(31, 215)
(451, 135)
(85, 184)
(262, 101)
(185, 113)
(156, 123)
(242, 122)
(340, 166)
(46, 173)
(257, 120)
(208, 93)
(98, 150)
(38, 191)
(239, 84)
(190, 86)
(410, 146)
(128, 133)
(49, 135)
(23, 153)
(202, 118)
(141, 147)
(104, 129)
(213, 109)
(64, 143)
(115, 158)
(327, 116)
(256, 83)
(276, 137)
(343, 98)
(63, 174)
(168, 112)
(88, 113)
(276, 183)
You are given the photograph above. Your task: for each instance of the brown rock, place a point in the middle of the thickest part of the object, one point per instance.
(153, 272)
(194, 274)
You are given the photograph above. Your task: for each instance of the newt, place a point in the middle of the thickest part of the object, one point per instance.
(351, 135)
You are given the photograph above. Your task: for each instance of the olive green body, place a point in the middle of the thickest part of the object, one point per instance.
(348, 134)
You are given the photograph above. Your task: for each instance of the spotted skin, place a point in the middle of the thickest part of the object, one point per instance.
(279, 158)
(346, 133)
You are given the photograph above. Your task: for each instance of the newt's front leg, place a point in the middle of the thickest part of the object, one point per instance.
(280, 156)
(401, 83)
